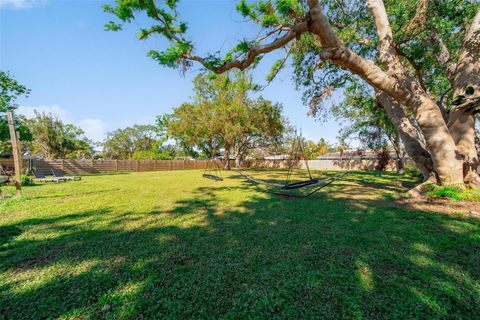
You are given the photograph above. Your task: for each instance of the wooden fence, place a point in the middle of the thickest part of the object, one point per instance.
(112, 166)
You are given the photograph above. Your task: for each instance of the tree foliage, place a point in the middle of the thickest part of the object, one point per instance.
(314, 150)
(10, 90)
(53, 139)
(140, 142)
(366, 120)
(222, 116)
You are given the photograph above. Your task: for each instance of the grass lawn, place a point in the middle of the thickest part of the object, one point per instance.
(174, 245)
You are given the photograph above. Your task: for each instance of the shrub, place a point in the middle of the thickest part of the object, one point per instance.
(383, 158)
(26, 180)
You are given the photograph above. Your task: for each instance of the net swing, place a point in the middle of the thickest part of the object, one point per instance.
(297, 154)
(212, 172)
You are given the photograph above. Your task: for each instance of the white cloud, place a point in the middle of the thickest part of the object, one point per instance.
(95, 129)
(20, 4)
(56, 110)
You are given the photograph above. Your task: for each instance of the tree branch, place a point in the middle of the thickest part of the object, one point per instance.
(443, 57)
(418, 21)
(387, 51)
(414, 65)
(467, 73)
(255, 51)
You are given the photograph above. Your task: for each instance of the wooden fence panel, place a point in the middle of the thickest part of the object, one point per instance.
(79, 167)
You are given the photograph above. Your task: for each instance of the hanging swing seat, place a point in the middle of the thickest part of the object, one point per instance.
(286, 186)
(214, 173)
(300, 184)
(298, 152)
(319, 183)
(212, 177)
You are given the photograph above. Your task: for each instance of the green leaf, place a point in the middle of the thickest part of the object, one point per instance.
(113, 26)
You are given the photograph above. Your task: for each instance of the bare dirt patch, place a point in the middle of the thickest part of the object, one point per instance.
(455, 208)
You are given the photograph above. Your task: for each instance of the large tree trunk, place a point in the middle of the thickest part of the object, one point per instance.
(477, 144)
(400, 153)
(226, 155)
(401, 87)
(238, 161)
(462, 126)
(413, 143)
(461, 122)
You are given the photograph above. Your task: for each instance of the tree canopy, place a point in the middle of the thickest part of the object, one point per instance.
(10, 90)
(53, 139)
(139, 142)
(223, 117)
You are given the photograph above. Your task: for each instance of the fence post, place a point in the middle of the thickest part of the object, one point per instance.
(184, 164)
(93, 165)
(116, 165)
(137, 165)
(17, 161)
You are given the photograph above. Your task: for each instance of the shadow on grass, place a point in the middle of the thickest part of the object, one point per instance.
(323, 257)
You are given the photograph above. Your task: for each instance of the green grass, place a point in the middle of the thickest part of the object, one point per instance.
(452, 193)
(173, 245)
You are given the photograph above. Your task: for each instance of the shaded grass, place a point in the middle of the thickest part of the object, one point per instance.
(174, 245)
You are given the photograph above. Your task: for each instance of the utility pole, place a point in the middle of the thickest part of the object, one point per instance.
(17, 161)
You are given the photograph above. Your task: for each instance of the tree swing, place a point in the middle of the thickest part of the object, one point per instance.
(297, 154)
(214, 173)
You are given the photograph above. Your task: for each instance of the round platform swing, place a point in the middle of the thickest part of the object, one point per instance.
(297, 154)
(213, 170)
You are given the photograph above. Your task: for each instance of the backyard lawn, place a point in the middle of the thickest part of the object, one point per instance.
(173, 245)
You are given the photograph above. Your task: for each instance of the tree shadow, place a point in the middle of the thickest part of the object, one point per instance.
(332, 256)
(7, 233)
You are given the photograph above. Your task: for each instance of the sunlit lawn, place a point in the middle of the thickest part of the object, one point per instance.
(174, 245)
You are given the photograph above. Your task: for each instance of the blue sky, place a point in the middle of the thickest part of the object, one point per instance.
(101, 80)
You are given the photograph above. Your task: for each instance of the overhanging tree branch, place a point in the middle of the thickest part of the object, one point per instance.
(253, 52)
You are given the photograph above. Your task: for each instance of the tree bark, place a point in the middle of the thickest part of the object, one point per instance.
(226, 155)
(413, 143)
(400, 153)
(237, 162)
(461, 122)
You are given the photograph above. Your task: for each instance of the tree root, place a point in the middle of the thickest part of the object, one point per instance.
(419, 190)
(472, 179)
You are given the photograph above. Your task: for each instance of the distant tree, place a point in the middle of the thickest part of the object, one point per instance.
(192, 128)
(341, 145)
(53, 139)
(314, 150)
(10, 90)
(222, 116)
(136, 142)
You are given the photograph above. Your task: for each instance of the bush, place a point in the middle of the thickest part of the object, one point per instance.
(449, 192)
(383, 158)
(26, 181)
